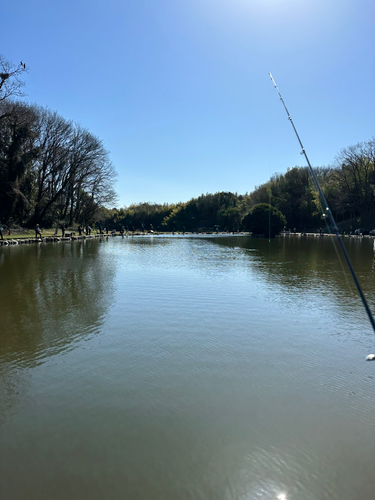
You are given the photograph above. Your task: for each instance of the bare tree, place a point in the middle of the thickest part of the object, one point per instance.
(354, 175)
(91, 173)
(51, 166)
(72, 172)
(11, 83)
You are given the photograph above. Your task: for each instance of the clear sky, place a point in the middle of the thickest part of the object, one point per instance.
(179, 91)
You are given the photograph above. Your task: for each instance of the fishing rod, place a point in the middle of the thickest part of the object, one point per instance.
(328, 214)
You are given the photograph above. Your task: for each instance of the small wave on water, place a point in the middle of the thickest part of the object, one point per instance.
(183, 368)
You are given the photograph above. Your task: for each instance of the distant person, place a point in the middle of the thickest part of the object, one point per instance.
(38, 232)
(1, 232)
(63, 230)
(79, 230)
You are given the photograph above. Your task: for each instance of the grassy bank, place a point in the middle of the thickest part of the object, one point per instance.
(27, 233)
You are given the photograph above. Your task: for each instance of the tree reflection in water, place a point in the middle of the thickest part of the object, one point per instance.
(51, 296)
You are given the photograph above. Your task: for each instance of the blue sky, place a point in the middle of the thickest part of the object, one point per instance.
(179, 90)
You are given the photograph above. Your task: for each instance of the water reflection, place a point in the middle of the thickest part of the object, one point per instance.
(50, 295)
(295, 271)
(312, 271)
(210, 377)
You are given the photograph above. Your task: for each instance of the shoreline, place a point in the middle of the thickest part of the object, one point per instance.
(57, 239)
(46, 239)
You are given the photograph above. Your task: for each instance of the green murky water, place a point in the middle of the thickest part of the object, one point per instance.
(186, 368)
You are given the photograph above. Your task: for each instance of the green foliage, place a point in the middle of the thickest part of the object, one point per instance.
(292, 193)
(263, 219)
(141, 216)
(183, 217)
(349, 187)
(54, 170)
(207, 211)
(17, 155)
(230, 218)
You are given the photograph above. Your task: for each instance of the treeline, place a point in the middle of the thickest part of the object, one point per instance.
(55, 171)
(206, 211)
(224, 211)
(51, 169)
(349, 186)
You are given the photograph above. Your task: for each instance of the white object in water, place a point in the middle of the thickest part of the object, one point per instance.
(370, 357)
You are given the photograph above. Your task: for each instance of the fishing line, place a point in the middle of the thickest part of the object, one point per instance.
(271, 134)
(334, 243)
(327, 214)
(269, 215)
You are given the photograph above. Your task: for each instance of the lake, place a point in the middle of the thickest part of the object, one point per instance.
(223, 368)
